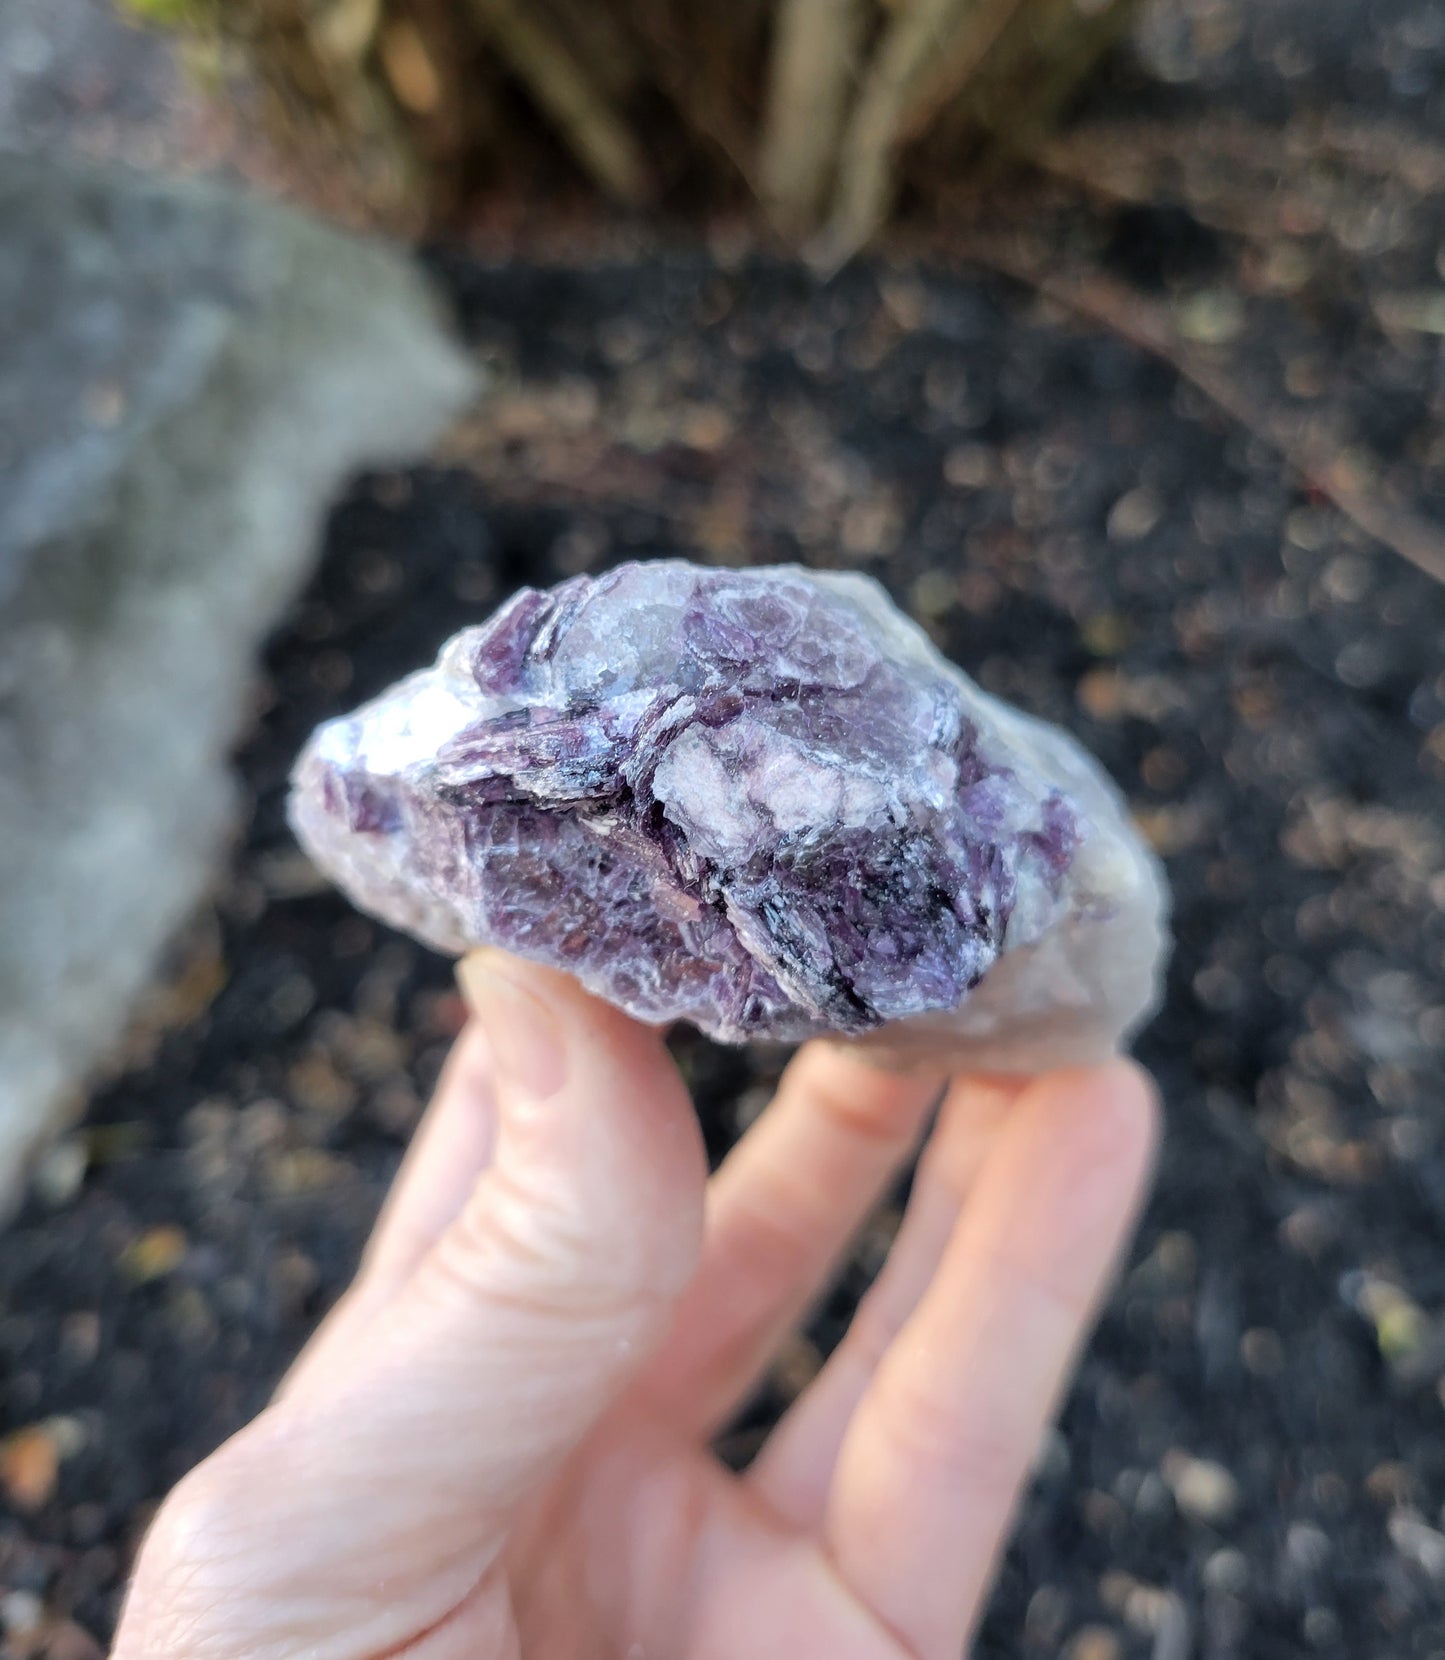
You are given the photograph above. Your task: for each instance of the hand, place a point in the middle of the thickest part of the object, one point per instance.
(497, 1444)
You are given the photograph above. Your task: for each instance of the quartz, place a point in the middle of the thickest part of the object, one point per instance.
(756, 800)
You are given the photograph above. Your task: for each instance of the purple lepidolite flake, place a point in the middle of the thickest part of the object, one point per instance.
(757, 800)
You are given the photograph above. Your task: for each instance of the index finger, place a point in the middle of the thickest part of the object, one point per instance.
(780, 1213)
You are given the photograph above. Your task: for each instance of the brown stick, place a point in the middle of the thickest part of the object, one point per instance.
(812, 72)
(1017, 89)
(596, 36)
(914, 35)
(346, 31)
(599, 138)
(330, 110)
(959, 62)
(696, 69)
(1136, 319)
(1267, 151)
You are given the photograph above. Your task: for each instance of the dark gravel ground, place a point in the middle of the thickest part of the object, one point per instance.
(1252, 1462)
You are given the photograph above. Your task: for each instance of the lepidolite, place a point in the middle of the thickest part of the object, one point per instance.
(757, 800)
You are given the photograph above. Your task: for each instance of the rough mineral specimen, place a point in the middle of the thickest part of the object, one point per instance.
(757, 800)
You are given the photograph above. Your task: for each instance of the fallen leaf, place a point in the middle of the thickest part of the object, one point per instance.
(158, 1252)
(29, 1467)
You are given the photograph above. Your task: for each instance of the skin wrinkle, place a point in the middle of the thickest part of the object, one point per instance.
(507, 1247)
(435, 1636)
(778, 1214)
(832, 1099)
(746, 1508)
(473, 1568)
(200, 1611)
(319, 1447)
(930, 1432)
(535, 1350)
(583, 1310)
(662, 1503)
(777, 1222)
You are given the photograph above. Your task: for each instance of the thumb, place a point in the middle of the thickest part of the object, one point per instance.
(546, 1292)
(380, 1488)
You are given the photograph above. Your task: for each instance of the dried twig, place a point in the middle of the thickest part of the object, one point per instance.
(693, 68)
(597, 37)
(915, 35)
(346, 29)
(811, 102)
(1036, 63)
(1313, 140)
(1301, 179)
(599, 138)
(959, 62)
(326, 106)
(812, 72)
(1143, 324)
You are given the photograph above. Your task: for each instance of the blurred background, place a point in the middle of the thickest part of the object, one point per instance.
(1106, 333)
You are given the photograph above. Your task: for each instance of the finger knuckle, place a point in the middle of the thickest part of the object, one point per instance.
(942, 1444)
(1057, 1283)
(777, 1227)
(864, 1106)
(543, 1259)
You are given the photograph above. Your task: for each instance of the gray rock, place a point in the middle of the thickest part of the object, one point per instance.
(83, 75)
(188, 376)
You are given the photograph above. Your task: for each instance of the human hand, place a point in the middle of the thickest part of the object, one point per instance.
(497, 1444)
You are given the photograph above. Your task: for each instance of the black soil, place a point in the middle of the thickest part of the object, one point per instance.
(1252, 1461)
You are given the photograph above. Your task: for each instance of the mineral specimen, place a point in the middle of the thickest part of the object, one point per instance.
(757, 800)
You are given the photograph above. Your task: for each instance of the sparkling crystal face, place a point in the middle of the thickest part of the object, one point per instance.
(756, 800)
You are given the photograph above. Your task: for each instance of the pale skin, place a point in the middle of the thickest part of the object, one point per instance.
(497, 1446)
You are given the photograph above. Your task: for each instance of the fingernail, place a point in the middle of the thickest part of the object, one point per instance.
(527, 1044)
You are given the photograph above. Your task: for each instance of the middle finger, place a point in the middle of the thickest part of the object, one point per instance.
(780, 1213)
(794, 1470)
